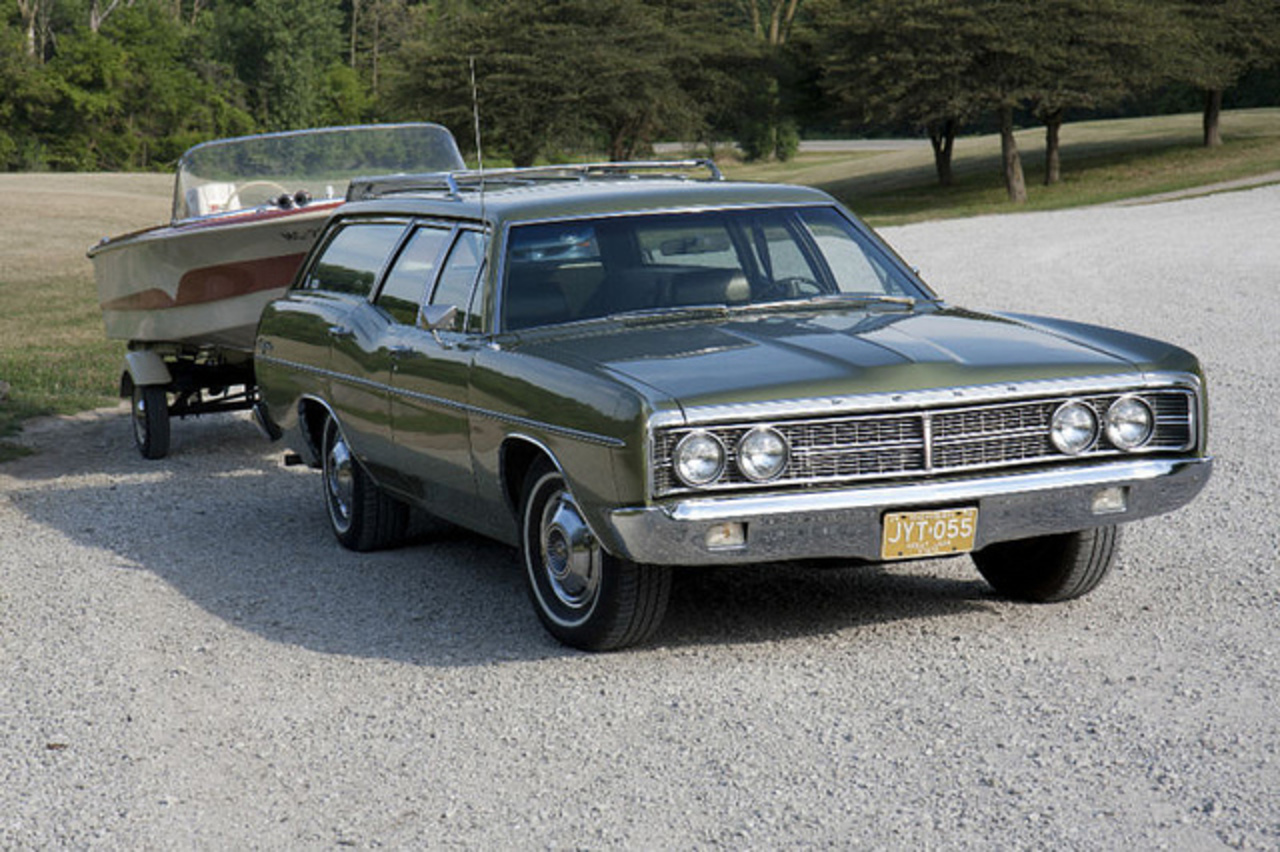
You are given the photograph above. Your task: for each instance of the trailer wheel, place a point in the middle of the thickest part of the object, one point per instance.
(151, 421)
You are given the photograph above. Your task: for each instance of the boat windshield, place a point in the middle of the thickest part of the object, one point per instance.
(296, 167)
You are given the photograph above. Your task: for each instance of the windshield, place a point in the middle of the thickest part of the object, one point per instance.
(588, 268)
(247, 172)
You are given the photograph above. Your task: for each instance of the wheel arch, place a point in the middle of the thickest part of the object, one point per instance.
(518, 454)
(312, 413)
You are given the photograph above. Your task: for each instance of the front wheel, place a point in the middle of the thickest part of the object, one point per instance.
(363, 517)
(150, 408)
(1050, 568)
(585, 597)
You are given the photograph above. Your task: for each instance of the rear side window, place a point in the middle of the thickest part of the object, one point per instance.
(354, 258)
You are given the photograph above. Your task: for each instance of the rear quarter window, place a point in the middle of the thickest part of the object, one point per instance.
(354, 258)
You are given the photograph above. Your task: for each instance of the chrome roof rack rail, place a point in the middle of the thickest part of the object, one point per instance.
(360, 189)
(452, 184)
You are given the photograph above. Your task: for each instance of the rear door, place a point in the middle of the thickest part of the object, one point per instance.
(359, 369)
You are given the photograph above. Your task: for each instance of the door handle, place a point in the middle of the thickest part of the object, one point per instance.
(341, 331)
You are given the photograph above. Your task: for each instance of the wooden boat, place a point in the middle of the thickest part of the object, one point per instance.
(245, 213)
(187, 295)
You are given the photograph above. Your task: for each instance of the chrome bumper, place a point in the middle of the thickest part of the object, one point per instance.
(847, 523)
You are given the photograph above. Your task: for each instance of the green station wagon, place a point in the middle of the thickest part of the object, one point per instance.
(621, 369)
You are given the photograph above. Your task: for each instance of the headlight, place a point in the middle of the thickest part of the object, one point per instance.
(1074, 428)
(1129, 423)
(762, 454)
(699, 458)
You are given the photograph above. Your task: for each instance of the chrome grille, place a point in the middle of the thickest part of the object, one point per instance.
(912, 444)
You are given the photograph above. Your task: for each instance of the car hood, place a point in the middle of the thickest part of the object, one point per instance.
(754, 358)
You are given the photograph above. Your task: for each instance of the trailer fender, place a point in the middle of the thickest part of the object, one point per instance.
(145, 367)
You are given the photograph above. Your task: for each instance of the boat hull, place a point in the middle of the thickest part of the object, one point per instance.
(202, 283)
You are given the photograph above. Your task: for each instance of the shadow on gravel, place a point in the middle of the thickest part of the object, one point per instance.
(768, 603)
(244, 538)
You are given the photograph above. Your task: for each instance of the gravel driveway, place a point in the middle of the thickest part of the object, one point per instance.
(188, 660)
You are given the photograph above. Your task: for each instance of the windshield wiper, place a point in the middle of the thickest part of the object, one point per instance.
(647, 315)
(835, 300)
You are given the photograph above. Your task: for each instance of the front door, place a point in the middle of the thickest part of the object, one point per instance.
(431, 380)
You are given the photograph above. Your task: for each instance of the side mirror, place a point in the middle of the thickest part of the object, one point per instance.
(434, 318)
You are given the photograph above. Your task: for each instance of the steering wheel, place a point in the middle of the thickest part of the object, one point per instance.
(255, 184)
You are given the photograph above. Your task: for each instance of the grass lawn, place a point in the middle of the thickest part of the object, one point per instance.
(53, 353)
(56, 359)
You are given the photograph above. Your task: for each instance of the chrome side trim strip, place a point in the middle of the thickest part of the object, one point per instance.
(453, 405)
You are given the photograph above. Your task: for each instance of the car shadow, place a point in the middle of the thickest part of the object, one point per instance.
(773, 602)
(226, 524)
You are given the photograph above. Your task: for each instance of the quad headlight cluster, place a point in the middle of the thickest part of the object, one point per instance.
(761, 455)
(1128, 424)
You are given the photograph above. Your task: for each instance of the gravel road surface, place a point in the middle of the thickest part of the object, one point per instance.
(188, 660)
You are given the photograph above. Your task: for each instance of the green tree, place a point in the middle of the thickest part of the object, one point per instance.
(766, 127)
(936, 65)
(1224, 39)
(902, 62)
(550, 74)
(283, 51)
(1095, 54)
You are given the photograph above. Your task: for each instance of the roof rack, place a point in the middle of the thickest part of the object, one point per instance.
(452, 184)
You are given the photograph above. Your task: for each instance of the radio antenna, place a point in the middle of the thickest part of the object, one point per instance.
(475, 112)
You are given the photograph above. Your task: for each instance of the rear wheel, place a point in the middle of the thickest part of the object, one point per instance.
(1049, 568)
(584, 596)
(363, 517)
(150, 408)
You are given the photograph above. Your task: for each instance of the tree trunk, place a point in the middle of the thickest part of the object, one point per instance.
(943, 139)
(1014, 181)
(1052, 157)
(1212, 112)
(355, 29)
(377, 53)
(29, 9)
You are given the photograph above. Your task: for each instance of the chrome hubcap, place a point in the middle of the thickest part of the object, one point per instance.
(570, 554)
(339, 480)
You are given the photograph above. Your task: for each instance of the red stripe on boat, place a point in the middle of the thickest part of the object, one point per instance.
(214, 283)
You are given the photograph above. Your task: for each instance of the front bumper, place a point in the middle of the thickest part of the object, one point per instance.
(847, 523)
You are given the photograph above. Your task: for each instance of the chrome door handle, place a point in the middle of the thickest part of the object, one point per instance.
(341, 331)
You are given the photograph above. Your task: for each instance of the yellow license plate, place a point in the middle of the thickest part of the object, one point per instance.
(909, 535)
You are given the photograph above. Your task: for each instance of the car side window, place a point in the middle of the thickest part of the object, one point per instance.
(785, 260)
(855, 263)
(412, 273)
(458, 278)
(354, 258)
